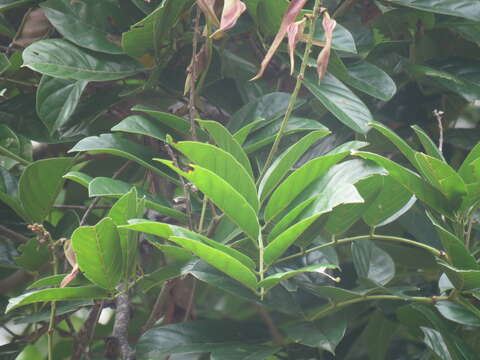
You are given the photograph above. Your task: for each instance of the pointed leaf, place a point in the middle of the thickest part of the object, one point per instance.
(46, 295)
(273, 280)
(61, 59)
(137, 124)
(224, 196)
(227, 142)
(430, 148)
(224, 165)
(371, 262)
(341, 102)
(99, 253)
(463, 8)
(467, 170)
(342, 38)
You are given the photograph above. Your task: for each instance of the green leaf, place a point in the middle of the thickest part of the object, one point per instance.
(325, 334)
(166, 230)
(461, 279)
(4, 62)
(379, 333)
(196, 337)
(245, 352)
(227, 142)
(179, 125)
(10, 4)
(56, 280)
(434, 340)
(222, 164)
(340, 101)
(140, 125)
(153, 32)
(342, 38)
(294, 184)
(61, 59)
(412, 182)
(57, 99)
(401, 144)
(99, 253)
(227, 198)
(430, 148)
(219, 259)
(85, 23)
(442, 177)
(267, 134)
(467, 170)
(117, 145)
(33, 255)
(372, 263)
(284, 163)
(366, 77)
(273, 280)
(68, 293)
(40, 184)
(157, 277)
(458, 313)
(463, 8)
(126, 208)
(103, 186)
(78, 177)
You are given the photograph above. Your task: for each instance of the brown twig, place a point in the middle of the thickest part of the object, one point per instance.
(13, 235)
(439, 116)
(191, 298)
(272, 328)
(84, 336)
(120, 326)
(193, 76)
(158, 307)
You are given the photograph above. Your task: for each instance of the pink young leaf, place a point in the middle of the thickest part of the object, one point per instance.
(232, 9)
(294, 33)
(70, 277)
(324, 56)
(289, 18)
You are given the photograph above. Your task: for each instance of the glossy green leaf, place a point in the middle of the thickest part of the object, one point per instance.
(461, 279)
(85, 23)
(69, 293)
(40, 184)
(219, 259)
(4, 63)
(462, 8)
(325, 334)
(10, 4)
(434, 340)
(224, 196)
(442, 177)
(466, 170)
(227, 142)
(366, 77)
(372, 263)
(430, 148)
(222, 164)
(340, 101)
(33, 255)
(126, 208)
(154, 30)
(61, 59)
(166, 230)
(245, 352)
(159, 276)
(99, 253)
(379, 333)
(412, 182)
(56, 280)
(342, 38)
(401, 144)
(273, 280)
(179, 125)
(294, 184)
(57, 99)
(78, 177)
(267, 134)
(197, 337)
(458, 313)
(102, 186)
(119, 146)
(140, 125)
(284, 163)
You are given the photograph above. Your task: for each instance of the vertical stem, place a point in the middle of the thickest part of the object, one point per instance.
(193, 75)
(298, 85)
(53, 304)
(202, 214)
(261, 265)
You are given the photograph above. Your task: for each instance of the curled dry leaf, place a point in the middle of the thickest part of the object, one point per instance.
(208, 9)
(72, 260)
(291, 14)
(324, 56)
(294, 33)
(232, 9)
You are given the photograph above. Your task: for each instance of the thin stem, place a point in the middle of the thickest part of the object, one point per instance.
(202, 214)
(298, 85)
(337, 306)
(193, 75)
(18, 82)
(158, 307)
(261, 264)
(53, 306)
(13, 235)
(13, 156)
(430, 249)
(191, 298)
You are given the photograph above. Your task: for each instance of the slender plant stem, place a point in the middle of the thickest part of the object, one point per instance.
(53, 304)
(296, 90)
(430, 249)
(193, 75)
(18, 82)
(202, 214)
(337, 306)
(13, 156)
(261, 264)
